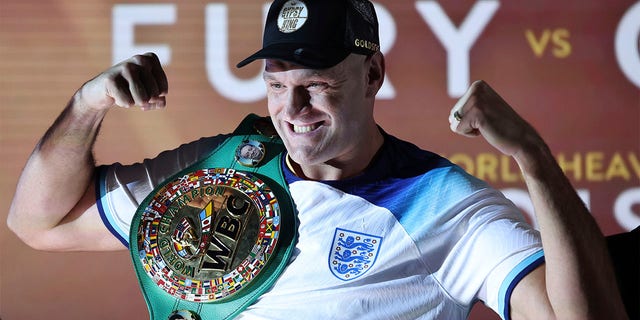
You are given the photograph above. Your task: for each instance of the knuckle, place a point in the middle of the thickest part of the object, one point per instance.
(137, 59)
(479, 83)
(141, 61)
(151, 55)
(129, 69)
(114, 82)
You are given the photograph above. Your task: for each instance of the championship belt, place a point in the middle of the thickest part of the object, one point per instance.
(210, 240)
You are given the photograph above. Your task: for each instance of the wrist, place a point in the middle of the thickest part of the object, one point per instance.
(535, 158)
(83, 108)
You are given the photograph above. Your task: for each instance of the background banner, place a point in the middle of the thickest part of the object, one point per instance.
(571, 68)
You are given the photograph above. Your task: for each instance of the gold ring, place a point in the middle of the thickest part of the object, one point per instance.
(457, 115)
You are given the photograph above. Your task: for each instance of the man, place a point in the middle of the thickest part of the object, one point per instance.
(437, 239)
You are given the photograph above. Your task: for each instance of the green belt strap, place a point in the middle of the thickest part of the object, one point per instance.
(164, 305)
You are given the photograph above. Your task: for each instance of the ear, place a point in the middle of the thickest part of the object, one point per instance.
(375, 75)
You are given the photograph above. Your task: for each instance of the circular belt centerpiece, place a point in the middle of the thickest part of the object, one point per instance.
(206, 235)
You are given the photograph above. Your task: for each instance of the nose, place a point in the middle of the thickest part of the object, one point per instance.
(298, 100)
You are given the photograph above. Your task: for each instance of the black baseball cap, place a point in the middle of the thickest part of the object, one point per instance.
(318, 33)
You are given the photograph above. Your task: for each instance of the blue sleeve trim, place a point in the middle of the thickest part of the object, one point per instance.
(101, 191)
(513, 278)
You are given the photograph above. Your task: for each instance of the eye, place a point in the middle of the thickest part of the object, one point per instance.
(276, 85)
(316, 85)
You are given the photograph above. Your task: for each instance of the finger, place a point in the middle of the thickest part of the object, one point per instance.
(457, 113)
(149, 63)
(148, 82)
(118, 89)
(155, 103)
(468, 125)
(158, 74)
(135, 87)
(154, 79)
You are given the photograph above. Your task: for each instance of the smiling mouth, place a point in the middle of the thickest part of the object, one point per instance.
(305, 129)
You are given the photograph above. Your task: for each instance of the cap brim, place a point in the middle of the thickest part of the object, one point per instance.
(315, 58)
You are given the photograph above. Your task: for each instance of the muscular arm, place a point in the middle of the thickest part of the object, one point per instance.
(53, 195)
(54, 206)
(577, 280)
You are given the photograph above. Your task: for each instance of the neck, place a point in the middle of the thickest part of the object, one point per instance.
(338, 169)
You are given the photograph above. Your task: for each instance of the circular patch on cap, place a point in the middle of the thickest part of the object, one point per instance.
(206, 235)
(292, 16)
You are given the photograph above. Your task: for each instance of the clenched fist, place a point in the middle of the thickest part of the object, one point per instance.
(482, 112)
(137, 81)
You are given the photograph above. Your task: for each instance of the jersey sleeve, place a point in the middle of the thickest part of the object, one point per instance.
(121, 188)
(473, 239)
(496, 248)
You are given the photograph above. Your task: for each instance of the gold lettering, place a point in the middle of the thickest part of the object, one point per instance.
(366, 44)
(574, 165)
(558, 37)
(617, 168)
(635, 164)
(562, 47)
(538, 46)
(487, 167)
(593, 166)
(505, 170)
(464, 161)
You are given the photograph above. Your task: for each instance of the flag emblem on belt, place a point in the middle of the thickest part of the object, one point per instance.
(208, 234)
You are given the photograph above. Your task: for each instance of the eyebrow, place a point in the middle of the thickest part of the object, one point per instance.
(266, 75)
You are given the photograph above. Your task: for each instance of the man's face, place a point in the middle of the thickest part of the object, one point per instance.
(250, 152)
(323, 116)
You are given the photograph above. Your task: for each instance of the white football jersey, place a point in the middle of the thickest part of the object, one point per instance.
(413, 237)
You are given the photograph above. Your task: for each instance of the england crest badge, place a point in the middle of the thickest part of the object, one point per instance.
(352, 253)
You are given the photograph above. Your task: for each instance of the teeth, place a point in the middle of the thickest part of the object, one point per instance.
(303, 129)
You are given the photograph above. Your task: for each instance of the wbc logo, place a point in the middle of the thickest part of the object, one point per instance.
(352, 253)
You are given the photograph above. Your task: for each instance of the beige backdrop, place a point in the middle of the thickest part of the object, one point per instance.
(554, 61)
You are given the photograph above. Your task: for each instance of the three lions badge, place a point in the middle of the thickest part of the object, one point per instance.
(352, 253)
